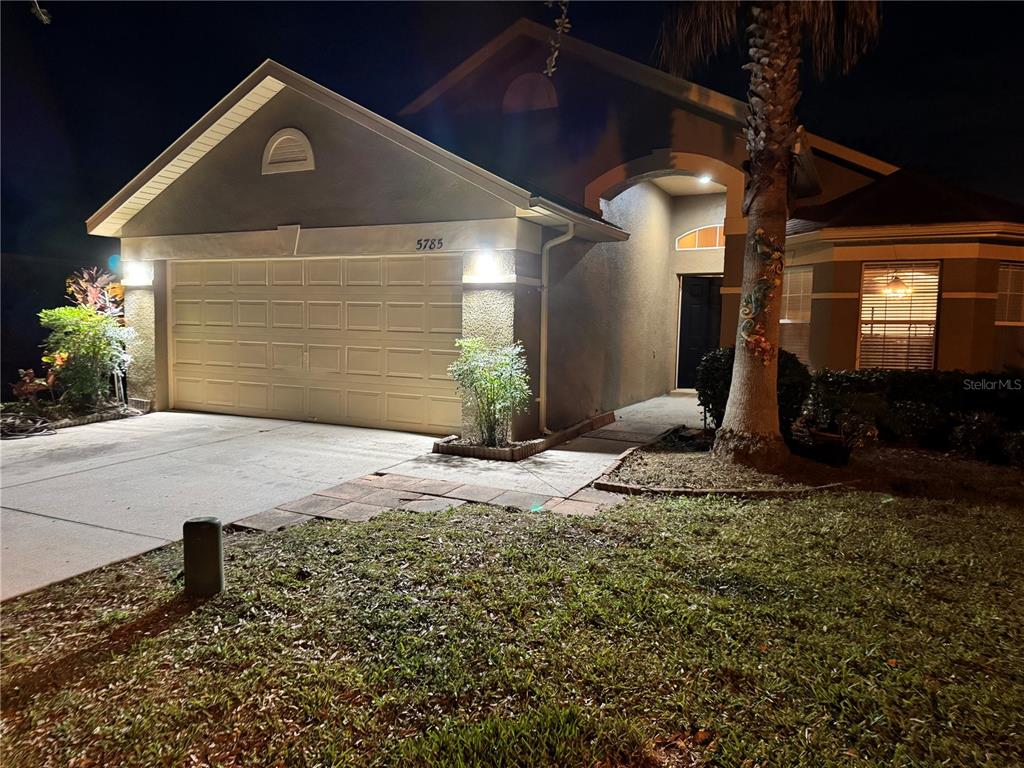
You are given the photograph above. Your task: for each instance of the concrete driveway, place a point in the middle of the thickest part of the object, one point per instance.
(91, 495)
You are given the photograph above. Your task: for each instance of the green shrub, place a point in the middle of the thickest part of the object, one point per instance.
(85, 348)
(978, 436)
(1013, 448)
(975, 414)
(495, 383)
(714, 376)
(949, 392)
(914, 421)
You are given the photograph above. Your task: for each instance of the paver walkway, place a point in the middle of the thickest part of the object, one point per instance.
(554, 481)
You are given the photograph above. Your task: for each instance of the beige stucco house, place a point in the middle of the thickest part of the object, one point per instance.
(294, 255)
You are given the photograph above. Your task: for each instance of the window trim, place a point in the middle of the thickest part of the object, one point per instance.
(292, 166)
(1010, 266)
(720, 237)
(789, 272)
(896, 266)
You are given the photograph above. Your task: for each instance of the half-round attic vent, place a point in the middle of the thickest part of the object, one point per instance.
(530, 92)
(288, 150)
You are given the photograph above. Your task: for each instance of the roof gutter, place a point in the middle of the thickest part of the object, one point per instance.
(545, 258)
(594, 228)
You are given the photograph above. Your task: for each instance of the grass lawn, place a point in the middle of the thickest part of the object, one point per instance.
(846, 630)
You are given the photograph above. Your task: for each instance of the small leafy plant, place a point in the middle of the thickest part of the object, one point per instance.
(96, 288)
(85, 347)
(495, 383)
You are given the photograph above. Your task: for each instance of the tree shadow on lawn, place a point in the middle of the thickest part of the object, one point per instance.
(78, 663)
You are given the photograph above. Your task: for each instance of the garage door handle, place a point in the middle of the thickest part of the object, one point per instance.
(305, 359)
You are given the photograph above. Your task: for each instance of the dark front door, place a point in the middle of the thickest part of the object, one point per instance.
(700, 319)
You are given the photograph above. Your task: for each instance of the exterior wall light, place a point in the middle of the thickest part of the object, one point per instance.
(704, 178)
(485, 267)
(137, 274)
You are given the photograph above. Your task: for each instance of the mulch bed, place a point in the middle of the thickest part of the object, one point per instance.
(681, 460)
(16, 423)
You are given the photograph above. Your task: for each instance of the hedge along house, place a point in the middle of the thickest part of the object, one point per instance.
(294, 255)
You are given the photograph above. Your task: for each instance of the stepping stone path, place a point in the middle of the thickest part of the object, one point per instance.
(365, 498)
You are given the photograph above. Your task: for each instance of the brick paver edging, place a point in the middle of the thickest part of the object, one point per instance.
(365, 498)
(93, 418)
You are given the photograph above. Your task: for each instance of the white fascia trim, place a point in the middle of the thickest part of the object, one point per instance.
(852, 155)
(152, 181)
(970, 230)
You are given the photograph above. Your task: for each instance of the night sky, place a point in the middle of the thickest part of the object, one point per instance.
(92, 98)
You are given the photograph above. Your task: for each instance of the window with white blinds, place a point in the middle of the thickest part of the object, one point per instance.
(795, 312)
(898, 307)
(1010, 299)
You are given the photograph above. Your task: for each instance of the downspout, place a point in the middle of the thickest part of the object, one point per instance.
(545, 252)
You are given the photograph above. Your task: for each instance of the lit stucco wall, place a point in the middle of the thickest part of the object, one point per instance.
(688, 213)
(967, 314)
(361, 178)
(613, 312)
(1009, 347)
(502, 314)
(145, 311)
(692, 211)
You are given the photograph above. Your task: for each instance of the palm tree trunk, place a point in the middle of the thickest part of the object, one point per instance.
(750, 430)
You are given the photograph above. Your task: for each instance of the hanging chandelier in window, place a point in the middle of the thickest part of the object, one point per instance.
(896, 288)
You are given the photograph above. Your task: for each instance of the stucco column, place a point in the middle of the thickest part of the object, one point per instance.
(500, 305)
(145, 311)
(835, 307)
(732, 278)
(967, 315)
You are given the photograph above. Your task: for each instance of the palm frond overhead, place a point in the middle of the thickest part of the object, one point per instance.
(695, 32)
(836, 34)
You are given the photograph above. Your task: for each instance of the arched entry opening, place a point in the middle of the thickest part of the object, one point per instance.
(684, 214)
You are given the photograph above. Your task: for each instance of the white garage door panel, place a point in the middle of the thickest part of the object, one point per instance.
(351, 340)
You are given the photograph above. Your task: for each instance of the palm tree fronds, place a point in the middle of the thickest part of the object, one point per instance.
(839, 33)
(694, 32)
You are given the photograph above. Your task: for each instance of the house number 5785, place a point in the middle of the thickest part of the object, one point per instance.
(430, 244)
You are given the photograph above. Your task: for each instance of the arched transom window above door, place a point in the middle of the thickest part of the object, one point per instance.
(287, 151)
(710, 236)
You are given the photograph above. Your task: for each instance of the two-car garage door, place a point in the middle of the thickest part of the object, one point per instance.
(363, 340)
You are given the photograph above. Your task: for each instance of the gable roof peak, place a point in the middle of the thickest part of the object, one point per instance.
(696, 96)
(257, 89)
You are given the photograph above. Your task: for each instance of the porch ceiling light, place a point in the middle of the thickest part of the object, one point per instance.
(896, 287)
(137, 274)
(704, 178)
